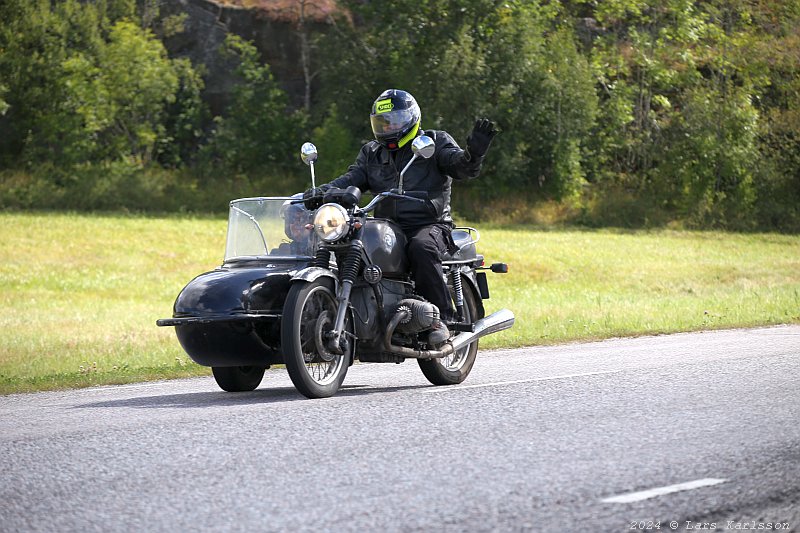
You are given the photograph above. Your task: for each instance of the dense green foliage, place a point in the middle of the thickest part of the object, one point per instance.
(621, 112)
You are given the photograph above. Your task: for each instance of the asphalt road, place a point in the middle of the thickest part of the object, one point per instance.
(623, 435)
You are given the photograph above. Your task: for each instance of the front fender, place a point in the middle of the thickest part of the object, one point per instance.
(310, 274)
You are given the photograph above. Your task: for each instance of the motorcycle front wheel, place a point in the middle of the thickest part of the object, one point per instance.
(308, 316)
(454, 368)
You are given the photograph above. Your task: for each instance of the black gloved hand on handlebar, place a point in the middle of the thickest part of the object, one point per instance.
(311, 193)
(481, 137)
(312, 198)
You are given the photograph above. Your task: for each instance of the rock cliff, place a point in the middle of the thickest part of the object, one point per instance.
(273, 26)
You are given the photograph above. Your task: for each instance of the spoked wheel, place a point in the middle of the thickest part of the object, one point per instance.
(309, 315)
(455, 367)
(238, 378)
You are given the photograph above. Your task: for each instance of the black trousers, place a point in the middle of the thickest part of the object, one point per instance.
(425, 246)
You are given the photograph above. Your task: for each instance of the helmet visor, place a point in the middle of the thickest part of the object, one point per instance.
(391, 124)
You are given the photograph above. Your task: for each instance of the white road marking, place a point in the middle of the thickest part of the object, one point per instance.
(660, 491)
(514, 382)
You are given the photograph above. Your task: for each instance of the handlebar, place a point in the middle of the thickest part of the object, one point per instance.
(414, 196)
(408, 195)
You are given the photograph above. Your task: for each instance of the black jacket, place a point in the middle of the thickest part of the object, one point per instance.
(377, 169)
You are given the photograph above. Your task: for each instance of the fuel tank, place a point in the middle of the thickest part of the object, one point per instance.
(385, 243)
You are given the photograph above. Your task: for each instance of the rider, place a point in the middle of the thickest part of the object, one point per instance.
(395, 120)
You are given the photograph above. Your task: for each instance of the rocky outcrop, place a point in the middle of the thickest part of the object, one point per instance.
(272, 26)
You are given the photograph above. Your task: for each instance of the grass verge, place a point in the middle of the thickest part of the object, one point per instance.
(584, 285)
(80, 293)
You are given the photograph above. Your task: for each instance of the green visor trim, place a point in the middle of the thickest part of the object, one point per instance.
(411, 134)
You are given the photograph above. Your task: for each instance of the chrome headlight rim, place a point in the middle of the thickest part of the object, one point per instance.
(331, 222)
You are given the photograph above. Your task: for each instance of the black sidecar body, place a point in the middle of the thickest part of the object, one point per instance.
(230, 316)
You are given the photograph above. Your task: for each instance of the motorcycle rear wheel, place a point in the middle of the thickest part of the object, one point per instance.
(454, 368)
(308, 314)
(238, 378)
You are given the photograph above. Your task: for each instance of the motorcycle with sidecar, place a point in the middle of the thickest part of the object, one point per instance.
(317, 284)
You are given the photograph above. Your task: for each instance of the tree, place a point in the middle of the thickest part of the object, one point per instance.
(775, 52)
(258, 131)
(81, 87)
(511, 61)
(35, 40)
(185, 118)
(122, 93)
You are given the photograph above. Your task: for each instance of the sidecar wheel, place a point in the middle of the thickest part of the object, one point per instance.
(238, 378)
(454, 368)
(308, 314)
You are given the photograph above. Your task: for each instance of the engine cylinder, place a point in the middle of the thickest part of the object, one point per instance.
(420, 315)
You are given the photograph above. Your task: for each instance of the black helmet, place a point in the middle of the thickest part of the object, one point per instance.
(295, 216)
(395, 118)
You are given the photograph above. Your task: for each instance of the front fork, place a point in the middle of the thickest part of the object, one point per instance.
(347, 274)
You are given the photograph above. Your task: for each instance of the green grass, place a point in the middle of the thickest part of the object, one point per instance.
(582, 285)
(80, 294)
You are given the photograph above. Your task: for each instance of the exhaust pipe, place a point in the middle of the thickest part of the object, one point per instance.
(493, 323)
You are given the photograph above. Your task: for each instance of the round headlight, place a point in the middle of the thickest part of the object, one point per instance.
(331, 222)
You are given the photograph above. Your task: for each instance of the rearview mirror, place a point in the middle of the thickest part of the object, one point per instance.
(423, 146)
(308, 153)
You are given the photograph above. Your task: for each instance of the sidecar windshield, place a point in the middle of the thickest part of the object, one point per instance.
(273, 227)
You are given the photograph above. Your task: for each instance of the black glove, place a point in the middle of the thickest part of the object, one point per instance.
(311, 193)
(481, 137)
(312, 198)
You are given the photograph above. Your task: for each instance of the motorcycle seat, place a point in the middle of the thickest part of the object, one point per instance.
(464, 239)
